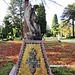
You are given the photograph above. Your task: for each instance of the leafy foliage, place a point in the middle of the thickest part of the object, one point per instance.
(1, 28)
(16, 9)
(69, 13)
(42, 18)
(48, 33)
(55, 25)
(65, 28)
(70, 37)
(8, 26)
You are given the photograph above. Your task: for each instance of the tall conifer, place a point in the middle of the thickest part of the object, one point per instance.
(42, 18)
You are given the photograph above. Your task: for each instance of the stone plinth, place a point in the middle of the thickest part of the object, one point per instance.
(32, 59)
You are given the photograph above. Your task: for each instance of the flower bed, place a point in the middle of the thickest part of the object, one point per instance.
(61, 54)
(58, 54)
(9, 52)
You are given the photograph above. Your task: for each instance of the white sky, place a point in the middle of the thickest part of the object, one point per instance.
(53, 9)
(56, 9)
(3, 9)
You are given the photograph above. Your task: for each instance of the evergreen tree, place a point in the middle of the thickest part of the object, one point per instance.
(55, 25)
(42, 18)
(17, 12)
(8, 26)
(69, 13)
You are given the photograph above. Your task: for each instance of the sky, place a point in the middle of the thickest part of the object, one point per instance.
(3, 10)
(51, 9)
(56, 9)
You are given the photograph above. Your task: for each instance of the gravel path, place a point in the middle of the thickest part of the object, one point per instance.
(73, 41)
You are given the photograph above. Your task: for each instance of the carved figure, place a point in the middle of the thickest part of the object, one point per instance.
(34, 20)
(31, 19)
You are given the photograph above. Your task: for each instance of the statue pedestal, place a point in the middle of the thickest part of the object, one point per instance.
(32, 59)
(37, 38)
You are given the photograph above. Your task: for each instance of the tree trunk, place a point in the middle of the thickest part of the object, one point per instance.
(58, 35)
(2, 37)
(73, 26)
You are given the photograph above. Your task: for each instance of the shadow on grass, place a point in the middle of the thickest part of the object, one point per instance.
(63, 71)
(5, 69)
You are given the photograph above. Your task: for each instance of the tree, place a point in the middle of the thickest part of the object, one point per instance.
(48, 32)
(55, 25)
(17, 12)
(8, 26)
(65, 28)
(1, 28)
(26, 4)
(69, 13)
(1, 31)
(42, 18)
(21, 14)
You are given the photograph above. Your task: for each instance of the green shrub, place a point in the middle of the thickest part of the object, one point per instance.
(70, 37)
(47, 34)
(17, 34)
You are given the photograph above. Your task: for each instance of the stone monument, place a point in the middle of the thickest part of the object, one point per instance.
(33, 29)
(32, 58)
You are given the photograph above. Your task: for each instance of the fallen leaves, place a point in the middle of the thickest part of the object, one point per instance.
(9, 50)
(59, 52)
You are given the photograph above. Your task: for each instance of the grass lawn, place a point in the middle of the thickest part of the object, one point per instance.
(58, 54)
(63, 71)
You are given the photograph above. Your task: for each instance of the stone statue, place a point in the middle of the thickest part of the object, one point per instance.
(31, 19)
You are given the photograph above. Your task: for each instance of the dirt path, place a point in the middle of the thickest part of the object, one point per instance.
(73, 41)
